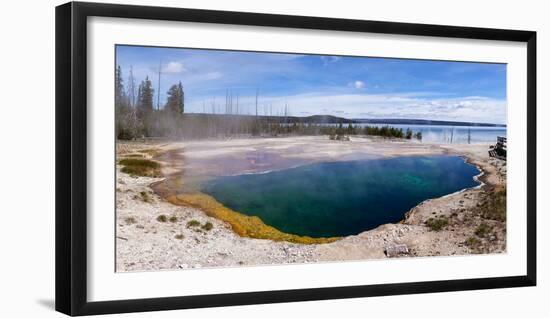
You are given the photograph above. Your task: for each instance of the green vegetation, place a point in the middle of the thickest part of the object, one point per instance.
(408, 133)
(173, 219)
(339, 133)
(144, 196)
(134, 155)
(139, 162)
(193, 223)
(140, 167)
(437, 224)
(493, 207)
(207, 226)
(483, 229)
(162, 218)
(385, 131)
(339, 137)
(202, 126)
(473, 242)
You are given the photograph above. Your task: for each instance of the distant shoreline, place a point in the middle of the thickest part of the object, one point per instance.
(330, 119)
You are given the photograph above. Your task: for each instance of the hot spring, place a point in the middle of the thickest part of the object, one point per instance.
(333, 199)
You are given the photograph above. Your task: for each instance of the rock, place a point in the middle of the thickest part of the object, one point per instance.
(396, 250)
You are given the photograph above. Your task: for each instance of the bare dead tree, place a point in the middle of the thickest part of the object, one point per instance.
(132, 88)
(257, 93)
(158, 86)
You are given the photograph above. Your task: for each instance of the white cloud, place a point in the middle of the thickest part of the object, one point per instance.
(409, 105)
(359, 84)
(173, 68)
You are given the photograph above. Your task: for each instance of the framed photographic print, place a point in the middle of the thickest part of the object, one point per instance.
(208, 158)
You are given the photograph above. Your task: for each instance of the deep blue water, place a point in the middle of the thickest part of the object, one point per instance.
(342, 198)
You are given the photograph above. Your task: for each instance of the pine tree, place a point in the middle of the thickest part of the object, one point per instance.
(409, 133)
(174, 102)
(145, 97)
(120, 96)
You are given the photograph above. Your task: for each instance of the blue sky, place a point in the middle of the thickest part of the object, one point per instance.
(351, 87)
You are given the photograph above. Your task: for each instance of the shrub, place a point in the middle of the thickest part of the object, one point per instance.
(162, 218)
(140, 167)
(207, 226)
(145, 196)
(139, 162)
(173, 219)
(482, 230)
(179, 236)
(473, 242)
(493, 207)
(193, 223)
(437, 224)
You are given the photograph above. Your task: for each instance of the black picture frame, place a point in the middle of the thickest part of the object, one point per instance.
(71, 157)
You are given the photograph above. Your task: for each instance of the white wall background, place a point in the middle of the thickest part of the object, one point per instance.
(27, 157)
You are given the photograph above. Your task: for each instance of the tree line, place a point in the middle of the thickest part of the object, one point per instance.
(136, 116)
(339, 133)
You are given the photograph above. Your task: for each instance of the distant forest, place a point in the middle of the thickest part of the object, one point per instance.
(137, 117)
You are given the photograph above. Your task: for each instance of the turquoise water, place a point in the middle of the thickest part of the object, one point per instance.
(342, 198)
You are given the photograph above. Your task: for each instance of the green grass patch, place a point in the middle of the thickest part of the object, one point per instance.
(193, 223)
(140, 167)
(483, 229)
(493, 207)
(143, 196)
(473, 242)
(437, 224)
(207, 226)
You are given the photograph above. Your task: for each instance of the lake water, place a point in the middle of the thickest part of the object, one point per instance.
(454, 134)
(342, 198)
